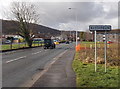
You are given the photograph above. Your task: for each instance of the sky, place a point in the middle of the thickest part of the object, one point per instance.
(56, 13)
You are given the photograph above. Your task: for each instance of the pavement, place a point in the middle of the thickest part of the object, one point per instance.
(22, 68)
(60, 74)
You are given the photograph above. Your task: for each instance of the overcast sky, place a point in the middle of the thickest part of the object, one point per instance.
(57, 15)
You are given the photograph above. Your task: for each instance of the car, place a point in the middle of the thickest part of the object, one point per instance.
(56, 42)
(7, 42)
(67, 42)
(49, 43)
(109, 42)
(62, 41)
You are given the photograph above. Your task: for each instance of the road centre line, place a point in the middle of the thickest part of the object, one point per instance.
(15, 59)
(36, 52)
(20, 58)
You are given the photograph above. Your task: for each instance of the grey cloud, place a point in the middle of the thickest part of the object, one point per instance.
(54, 13)
(57, 14)
(113, 11)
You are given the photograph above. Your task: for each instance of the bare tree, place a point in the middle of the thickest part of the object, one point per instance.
(82, 36)
(25, 14)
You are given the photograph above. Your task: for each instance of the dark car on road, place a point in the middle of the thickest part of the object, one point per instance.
(49, 43)
(67, 42)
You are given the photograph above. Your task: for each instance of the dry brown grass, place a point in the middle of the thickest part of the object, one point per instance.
(87, 55)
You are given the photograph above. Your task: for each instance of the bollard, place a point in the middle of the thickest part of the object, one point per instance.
(78, 47)
(99, 45)
(90, 46)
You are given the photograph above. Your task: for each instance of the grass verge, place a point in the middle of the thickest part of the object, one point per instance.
(87, 77)
(16, 46)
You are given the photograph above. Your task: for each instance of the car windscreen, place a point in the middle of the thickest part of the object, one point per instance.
(47, 40)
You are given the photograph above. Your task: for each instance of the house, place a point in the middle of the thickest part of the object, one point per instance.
(112, 35)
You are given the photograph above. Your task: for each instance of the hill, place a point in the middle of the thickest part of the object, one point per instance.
(12, 27)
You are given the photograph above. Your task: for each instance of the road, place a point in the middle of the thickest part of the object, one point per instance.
(19, 67)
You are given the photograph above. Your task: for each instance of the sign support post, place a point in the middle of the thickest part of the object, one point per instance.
(105, 50)
(95, 52)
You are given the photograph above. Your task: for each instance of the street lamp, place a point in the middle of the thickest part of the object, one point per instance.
(76, 23)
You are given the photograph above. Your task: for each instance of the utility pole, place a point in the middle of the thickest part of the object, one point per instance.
(76, 23)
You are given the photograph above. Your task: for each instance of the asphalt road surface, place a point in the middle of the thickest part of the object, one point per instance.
(21, 66)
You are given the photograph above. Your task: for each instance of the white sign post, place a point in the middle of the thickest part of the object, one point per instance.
(95, 52)
(96, 28)
(105, 50)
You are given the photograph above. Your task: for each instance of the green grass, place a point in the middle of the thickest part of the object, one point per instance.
(15, 46)
(85, 71)
(87, 77)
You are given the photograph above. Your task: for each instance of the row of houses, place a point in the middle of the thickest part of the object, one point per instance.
(112, 35)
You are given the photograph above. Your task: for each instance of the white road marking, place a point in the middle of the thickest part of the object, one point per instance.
(36, 53)
(15, 59)
(21, 57)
